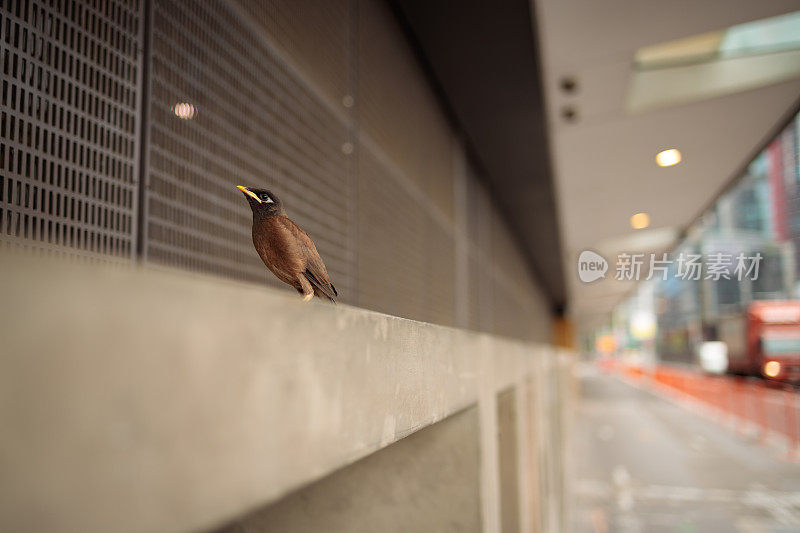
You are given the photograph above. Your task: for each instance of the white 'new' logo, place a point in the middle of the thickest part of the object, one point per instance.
(591, 266)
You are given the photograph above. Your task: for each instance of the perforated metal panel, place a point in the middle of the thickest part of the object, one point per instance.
(479, 222)
(440, 267)
(314, 35)
(322, 102)
(397, 107)
(69, 125)
(391, 259)
(255, 123)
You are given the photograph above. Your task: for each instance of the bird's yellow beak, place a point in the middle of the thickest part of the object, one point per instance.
(248, 192)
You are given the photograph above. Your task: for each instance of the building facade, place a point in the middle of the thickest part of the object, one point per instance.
(127, 124)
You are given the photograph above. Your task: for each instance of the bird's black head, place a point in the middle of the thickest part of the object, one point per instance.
(262, 202)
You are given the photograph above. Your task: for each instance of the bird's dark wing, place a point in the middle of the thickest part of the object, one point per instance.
(316, 273)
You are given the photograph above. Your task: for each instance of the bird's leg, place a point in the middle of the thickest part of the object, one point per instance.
(308, 290)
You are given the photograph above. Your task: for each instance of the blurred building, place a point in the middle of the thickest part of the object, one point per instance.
(757, 215)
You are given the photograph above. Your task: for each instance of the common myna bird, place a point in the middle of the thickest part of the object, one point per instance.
(285, 248)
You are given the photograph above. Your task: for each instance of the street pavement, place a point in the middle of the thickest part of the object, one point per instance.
(640, 463)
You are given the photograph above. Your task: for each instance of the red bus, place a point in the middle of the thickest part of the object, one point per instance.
(765, 341)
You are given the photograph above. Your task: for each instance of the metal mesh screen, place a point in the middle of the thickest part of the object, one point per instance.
(313, 35)
(397, 109)
(322, 102)
(69, 125)
(391, 257)
(405, 195)
(478, 228)
(255, 122)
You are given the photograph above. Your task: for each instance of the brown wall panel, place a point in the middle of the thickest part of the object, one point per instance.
(397, 109)
(315, 35)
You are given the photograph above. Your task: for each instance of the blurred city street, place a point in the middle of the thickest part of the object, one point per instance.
(696, 476)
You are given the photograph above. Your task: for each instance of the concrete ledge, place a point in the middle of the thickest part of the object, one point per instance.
(140, 400)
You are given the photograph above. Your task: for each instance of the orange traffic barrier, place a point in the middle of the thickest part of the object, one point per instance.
(744, 402)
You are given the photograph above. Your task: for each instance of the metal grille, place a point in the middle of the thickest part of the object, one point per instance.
(69, 125)
(392, 236)
(254, 122)
(313, 35)
(405, 176)
(479, 221)
(441, 261)
(397, 109)
(322, 102)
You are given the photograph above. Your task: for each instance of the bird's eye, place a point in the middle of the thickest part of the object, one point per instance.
(266, 198)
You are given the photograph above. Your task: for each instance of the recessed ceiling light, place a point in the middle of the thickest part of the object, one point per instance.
(640, 221)
(667, 158)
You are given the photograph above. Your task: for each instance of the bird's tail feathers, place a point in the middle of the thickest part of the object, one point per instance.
(326, 290)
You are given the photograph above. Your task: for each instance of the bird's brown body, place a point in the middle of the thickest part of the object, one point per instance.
(286, 249)
(290, 254)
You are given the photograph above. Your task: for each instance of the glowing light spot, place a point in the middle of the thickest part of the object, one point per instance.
(643, 325)
(606, 344)
(772, 369)
(184, 110)
(667, 158)
(640, 221)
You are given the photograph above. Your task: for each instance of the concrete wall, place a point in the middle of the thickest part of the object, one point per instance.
(143, 400)
(508, 464)
(428, 481)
